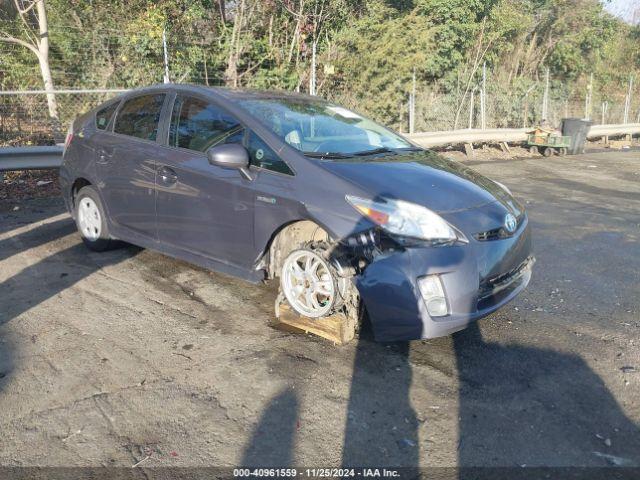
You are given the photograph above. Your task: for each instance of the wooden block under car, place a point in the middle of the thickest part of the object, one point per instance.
(336, 328)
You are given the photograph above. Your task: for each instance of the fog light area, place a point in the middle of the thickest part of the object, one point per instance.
(433, 295)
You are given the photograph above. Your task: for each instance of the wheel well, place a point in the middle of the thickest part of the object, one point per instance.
(77, 185)
(290, 237)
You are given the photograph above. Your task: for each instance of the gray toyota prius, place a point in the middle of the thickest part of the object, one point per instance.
(348, 215)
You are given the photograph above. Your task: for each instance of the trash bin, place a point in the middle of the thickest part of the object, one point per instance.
(577, 129)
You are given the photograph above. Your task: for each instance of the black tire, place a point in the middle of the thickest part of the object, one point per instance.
(103, 241)
(562, 151)
(533, 150)
(547, 152)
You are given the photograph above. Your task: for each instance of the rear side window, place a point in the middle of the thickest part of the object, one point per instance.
(139, 117)
(199, 125)
(262, 156)
(103, 117)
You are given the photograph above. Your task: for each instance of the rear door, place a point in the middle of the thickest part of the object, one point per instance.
(126, 165)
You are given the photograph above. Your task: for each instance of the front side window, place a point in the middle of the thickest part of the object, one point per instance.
(260, 155)
(104, 116)
(199, 125)
(315, 126)
(139, 117)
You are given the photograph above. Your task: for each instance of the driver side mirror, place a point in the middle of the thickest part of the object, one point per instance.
(231, 156)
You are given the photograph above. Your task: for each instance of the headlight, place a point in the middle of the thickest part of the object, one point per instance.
(405, 219)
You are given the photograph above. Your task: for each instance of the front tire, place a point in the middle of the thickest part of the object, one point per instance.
(91, 220)
(308, 283)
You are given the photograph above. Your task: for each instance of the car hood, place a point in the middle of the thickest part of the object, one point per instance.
(424, 178)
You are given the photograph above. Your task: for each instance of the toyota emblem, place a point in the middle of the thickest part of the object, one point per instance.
(510, 223)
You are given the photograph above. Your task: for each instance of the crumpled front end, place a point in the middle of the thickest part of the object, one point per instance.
(475, 279)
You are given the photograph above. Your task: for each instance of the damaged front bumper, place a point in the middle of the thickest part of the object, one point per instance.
(477, 278)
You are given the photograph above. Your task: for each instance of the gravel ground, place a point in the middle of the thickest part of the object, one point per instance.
(129, 356)
(28, 184)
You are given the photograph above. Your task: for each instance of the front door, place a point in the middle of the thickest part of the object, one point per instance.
(203, 209)
(126, 165)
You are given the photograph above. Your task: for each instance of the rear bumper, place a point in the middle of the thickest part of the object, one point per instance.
(478, 278)
(65, 188)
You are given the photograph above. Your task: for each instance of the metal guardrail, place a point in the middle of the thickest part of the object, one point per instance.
(509, 135)
(34, 158)
(30, 158)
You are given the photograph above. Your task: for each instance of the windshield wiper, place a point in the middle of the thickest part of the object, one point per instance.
(373, 151)
(326, 155)
(410, 149)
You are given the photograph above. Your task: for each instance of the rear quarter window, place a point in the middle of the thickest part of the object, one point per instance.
(139, 117)
(103, 117)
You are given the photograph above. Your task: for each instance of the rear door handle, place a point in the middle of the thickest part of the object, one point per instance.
(167, 176)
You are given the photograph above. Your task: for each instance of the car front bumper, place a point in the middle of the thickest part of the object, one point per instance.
(478, 278)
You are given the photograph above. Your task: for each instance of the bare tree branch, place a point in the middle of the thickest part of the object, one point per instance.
(24, 11)
(18, 41)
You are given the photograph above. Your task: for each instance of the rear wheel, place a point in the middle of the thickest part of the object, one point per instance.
(547, 152)
(562, 151)
(533, 150)
(91, 220)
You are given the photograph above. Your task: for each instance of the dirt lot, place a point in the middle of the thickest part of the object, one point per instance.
(128, 356)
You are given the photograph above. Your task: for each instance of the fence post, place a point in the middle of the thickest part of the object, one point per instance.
(545, 97)
(312, 77)
(627, 101)
(587, 100)
(471, 106)
(166, 56)
(483, 98)
(412, 103)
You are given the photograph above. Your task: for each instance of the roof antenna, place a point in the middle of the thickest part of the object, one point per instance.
(166, 56)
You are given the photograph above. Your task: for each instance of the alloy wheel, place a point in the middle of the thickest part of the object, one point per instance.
(308, 284)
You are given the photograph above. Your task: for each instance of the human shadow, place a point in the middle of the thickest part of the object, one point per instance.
(272, 441)
(382, 426)
(527, 406)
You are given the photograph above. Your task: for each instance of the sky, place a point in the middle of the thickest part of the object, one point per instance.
(623, 8)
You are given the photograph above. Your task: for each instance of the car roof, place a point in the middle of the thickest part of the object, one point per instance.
(230, 94)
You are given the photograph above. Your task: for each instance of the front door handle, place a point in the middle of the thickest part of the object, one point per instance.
(167, 176)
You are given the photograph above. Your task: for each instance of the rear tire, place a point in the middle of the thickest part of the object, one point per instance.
(547, 152)
(562, 151)
(533, 150)
(91, 220)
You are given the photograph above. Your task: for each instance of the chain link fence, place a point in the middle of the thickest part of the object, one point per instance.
(25, 118)
(436, 111)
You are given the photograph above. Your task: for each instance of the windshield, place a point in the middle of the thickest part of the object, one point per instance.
(318, 128)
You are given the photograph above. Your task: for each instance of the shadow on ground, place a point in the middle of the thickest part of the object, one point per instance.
(518, 406)
(522, 405)
(38, 282)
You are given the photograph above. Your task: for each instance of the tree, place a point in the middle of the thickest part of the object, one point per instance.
(35, 37)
